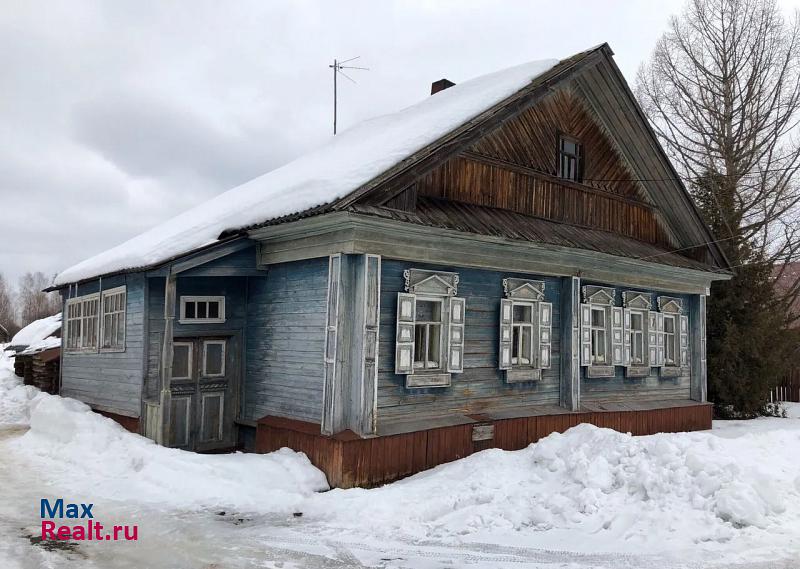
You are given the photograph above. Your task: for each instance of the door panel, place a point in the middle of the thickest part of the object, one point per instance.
(204, 393)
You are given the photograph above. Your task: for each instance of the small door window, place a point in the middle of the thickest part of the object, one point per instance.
(182, 360)
(214, 358)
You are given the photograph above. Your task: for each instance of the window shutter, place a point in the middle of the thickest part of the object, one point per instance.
(404, 343)
(652, 338)
(506, 333)
(545, 330)
(586, 334)
(684, 340)
(617, 349)
(455, 339)
(626, 337)
(660, 356)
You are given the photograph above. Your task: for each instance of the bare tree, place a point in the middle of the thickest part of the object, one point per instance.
(722, 90)
(7, 309)
(33, 302)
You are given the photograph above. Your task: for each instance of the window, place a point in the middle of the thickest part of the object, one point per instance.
(429, 338)
(428, 334)
(182, 360)
(82, 323)
(669, 339)
(599, 335)
(113, 319)
(570, 159)
(637, 338)
(214, 358)
(202, 309)
(522, 339)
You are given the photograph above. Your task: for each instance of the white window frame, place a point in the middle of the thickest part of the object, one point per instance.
(206, 343)
(639, 336)
(187, 299)
(533, 325)
(671, 340)
(71, 322)
(427, 323)
(606, 332)
(190, 363)
(122, 314)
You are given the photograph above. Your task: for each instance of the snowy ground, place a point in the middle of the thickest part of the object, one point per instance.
(588, 498)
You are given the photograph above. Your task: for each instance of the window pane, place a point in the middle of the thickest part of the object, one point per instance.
(523, 313)
(434, 345)
(189, 310)
(598, 318)
(215, 361)
(213, 309)
(515, 345)
(429, 311)
(636, 321)
(202, 309)
(669, 325)
(420, 344)
(181, 356)
(525, 355)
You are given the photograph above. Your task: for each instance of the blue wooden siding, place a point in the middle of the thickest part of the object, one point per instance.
(651, 388)
(482, 384)
(232, 288)
(111, 381)
(285, 341)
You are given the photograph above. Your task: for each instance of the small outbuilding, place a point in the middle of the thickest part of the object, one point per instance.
(37, 350)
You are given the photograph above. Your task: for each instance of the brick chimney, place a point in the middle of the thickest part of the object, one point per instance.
(440, 85)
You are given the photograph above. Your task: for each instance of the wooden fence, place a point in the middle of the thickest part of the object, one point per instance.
(789, 389)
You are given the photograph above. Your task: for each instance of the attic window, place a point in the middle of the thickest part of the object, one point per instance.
(570, 159)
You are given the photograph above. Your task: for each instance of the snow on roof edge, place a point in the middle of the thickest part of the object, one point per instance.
(345, 163)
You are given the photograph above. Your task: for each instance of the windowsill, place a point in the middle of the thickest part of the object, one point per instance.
(201, 321)
(112, 350)
(600, 371)
(87, 351)
(427, 379)
(522, 375)
(637, 371)
(670, 371)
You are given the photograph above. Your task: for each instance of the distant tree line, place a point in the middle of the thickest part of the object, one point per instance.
(722, 91)
(27, 302)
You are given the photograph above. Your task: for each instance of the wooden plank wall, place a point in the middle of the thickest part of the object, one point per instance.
(482, 384)
(349, 461)
(111, 381)
(515, 167)
(286, 341)
(651, 388)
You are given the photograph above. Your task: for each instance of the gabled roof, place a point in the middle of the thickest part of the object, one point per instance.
(379, 156)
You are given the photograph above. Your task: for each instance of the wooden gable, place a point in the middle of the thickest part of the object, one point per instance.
(514, 168)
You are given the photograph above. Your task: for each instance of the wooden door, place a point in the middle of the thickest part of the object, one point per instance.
(203, 393)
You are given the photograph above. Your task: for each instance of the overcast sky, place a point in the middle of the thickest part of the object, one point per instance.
(117, 115)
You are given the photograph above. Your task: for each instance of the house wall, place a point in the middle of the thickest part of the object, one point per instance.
(481, 384)
(110, 381)
(653, 387)
(232, 288)
(286, 341)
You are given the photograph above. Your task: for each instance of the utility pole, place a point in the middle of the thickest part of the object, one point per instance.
(337, 69)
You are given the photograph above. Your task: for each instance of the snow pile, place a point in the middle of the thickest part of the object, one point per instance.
(348, 161)
(593, 489)
(94, 456)
(15, 398)
(37, 331)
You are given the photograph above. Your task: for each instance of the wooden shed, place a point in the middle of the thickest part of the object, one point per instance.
(510, 257)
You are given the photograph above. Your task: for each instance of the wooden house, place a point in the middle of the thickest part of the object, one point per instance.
(512, 256)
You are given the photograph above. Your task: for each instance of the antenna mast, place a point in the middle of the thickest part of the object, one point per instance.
(337, 69)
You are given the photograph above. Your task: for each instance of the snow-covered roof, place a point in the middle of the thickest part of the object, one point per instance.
(41, 346)
(345, 163)
(37, 331)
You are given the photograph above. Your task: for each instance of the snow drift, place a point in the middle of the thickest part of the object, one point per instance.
(37, 331)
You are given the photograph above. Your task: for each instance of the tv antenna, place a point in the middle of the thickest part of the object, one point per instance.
(337, 69)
